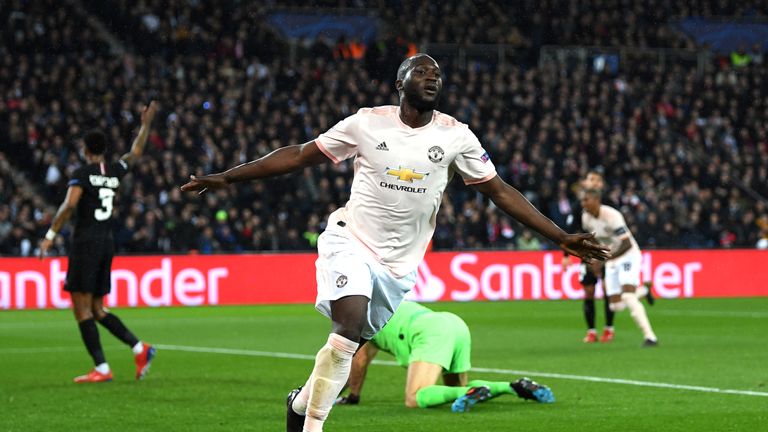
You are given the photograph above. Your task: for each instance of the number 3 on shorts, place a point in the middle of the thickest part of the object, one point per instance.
(106, 195)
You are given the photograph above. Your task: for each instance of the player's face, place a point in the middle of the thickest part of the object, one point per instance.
(593, 181)
(423, 83)
(589, 203)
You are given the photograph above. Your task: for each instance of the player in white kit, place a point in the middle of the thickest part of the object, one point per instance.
(622, 268)
(404, 157)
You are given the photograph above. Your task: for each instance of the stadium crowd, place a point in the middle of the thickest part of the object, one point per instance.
(673, 145)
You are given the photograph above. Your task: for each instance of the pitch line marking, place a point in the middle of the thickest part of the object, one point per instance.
(476, 369)
(36, 350)
(714, 314)
(19, 325)
(270, 354)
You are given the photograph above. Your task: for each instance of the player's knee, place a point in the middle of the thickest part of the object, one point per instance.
(627, 297)
(617, 306)
(410, 401)
(349, 315)
(83, 315)
(350, 328)
(98, 313)
(352, 333)
(632, 302)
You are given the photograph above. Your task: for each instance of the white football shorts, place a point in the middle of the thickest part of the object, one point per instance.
(624, 270)
(345, 268)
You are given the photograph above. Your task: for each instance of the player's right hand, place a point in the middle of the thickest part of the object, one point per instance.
(350, 399)
(45, 245)
(566, 261)
(202, 184)
(586, 247)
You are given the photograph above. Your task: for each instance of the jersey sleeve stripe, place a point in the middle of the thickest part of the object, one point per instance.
(74, 182)
(482, 180)
(325, 151)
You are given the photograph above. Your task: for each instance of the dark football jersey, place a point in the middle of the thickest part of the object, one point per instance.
(100, 182)
(573, 220)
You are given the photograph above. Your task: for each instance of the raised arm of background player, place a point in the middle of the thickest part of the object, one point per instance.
(292, 158)
(137, 148)
(75, 192)
(360, 363)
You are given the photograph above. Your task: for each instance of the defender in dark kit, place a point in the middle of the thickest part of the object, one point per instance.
(91, 193)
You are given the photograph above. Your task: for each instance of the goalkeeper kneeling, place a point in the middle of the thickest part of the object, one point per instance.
(431, 344)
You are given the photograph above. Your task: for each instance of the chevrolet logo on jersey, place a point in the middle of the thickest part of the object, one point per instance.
(406, 174)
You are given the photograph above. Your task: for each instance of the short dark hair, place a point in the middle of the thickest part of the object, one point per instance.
(597, 171)
(407, 64)
(95, 141)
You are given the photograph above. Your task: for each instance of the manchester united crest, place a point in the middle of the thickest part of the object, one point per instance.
(435, 154)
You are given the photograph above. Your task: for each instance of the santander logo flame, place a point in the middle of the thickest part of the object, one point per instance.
(428, 287)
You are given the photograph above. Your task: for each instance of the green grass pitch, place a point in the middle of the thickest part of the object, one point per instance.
(710, 343)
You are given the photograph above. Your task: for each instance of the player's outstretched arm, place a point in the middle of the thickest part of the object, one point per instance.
(281, 161)
(516, 205)
(137, 148)
(62, 216)
(360, 363)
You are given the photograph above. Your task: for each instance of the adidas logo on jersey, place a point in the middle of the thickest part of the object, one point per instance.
(382, 146)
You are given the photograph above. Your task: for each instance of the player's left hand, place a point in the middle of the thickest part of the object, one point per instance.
(585, 246)
(350, 399)
(44, 247)
(202, 184)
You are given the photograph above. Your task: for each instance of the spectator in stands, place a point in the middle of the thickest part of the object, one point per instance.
(527, 242)
(740, 58)
(762, 243)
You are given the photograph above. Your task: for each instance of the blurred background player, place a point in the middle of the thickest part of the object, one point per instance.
(91, 194)
(431, 344)
(622, 268)
(587, 278)
(404, 157)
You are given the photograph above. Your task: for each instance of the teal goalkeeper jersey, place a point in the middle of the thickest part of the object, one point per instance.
(395, 338)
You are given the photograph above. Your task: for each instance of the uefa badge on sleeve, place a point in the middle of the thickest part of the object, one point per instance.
(341, 281)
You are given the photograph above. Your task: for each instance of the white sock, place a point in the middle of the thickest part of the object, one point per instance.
(138, 348)
(332, 365)
(300, 401)
(637, 311)
(102, 368)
